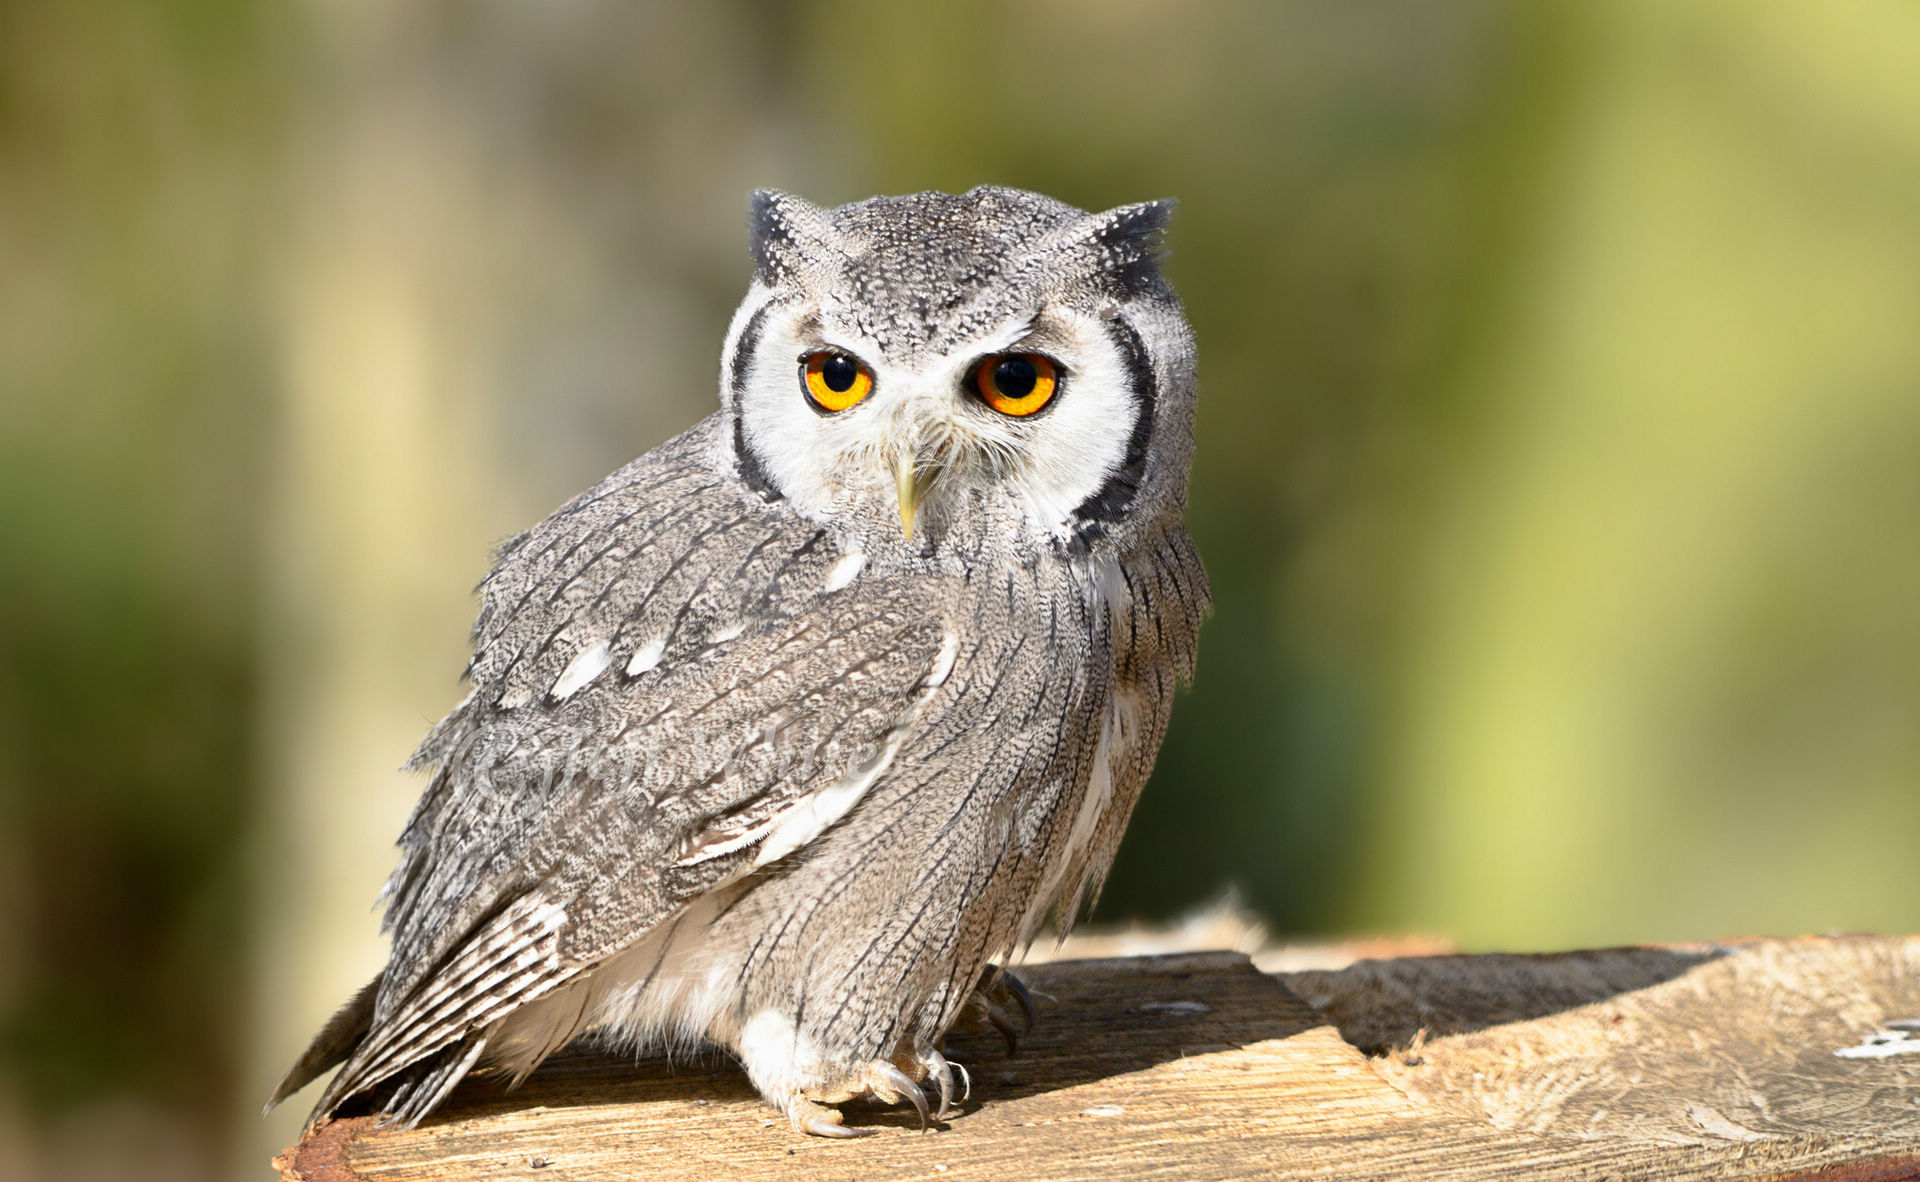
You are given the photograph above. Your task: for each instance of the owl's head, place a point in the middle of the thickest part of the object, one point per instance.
(955, 377)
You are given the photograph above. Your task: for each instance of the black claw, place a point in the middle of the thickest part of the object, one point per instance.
(1017, 989)
(1002, 1023)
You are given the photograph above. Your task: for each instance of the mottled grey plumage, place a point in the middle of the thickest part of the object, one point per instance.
(746, 761)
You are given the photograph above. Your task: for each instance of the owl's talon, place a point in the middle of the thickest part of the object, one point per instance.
(942, 1073)
(820, 1121)
(998, 989)
(811, 1104)
(1002, 1023)
(1015, 988)
(888, 1078)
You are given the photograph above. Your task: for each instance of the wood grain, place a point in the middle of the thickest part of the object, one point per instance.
(1705, 1062)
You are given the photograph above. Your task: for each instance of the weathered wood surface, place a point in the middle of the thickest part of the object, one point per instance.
(1701, 1062)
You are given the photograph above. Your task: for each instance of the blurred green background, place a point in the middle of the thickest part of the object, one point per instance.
(1559, 467)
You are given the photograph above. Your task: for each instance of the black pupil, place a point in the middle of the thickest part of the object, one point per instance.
(838, 373)
(1015, 377)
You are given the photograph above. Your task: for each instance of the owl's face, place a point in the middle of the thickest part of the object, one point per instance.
(952, 376)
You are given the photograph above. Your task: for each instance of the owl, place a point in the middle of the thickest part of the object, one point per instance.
(785, 734)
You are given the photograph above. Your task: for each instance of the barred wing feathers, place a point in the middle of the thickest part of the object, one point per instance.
(660, 675)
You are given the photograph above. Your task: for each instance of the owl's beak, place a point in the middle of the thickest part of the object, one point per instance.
(911, 480)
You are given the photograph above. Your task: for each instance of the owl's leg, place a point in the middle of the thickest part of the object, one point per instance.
(798, 1077)
(997, 992)
(811, 1108)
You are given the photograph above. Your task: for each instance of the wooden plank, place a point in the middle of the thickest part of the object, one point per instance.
(1732, 1041)
(1644, 1063)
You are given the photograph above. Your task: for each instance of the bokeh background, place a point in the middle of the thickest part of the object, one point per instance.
(1559, 465)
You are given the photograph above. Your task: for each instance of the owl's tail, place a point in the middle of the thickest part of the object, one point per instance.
(332, 1045)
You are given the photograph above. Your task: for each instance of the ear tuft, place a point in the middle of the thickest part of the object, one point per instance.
(782, 231)
(1125, 244)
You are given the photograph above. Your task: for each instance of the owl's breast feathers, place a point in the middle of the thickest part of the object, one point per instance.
(676, 684)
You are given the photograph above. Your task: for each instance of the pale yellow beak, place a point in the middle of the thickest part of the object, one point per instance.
(911, 481)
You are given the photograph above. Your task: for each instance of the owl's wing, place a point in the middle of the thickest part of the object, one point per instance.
(673, 682)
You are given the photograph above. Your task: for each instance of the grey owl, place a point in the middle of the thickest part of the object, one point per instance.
(780, 736)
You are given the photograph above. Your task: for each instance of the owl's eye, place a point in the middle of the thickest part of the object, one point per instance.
(1016, 384)
(834, 381)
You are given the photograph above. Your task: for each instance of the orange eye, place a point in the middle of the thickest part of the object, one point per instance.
(1016, 384)
(834, 381)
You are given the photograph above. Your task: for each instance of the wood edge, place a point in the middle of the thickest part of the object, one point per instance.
(1898, 1167)
(321, 1154)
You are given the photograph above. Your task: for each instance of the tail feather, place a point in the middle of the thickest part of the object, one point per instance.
(429, 1039)
(336, 1040)
(425, 1083)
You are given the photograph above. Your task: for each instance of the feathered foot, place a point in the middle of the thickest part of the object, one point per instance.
(812, 1110)
(808, 1083)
